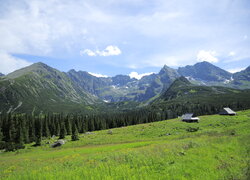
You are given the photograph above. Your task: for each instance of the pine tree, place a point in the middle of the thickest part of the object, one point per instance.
(74, 136)
(46, 132)
(1, 139)
(11, 133)
(19, 139)
(11, 129)
(85, 124)
(38, 131)
(31, 122)
(25, 129)
(62, 131)
(53, 126)
(1, 134)
(69, 119)
(57, 128)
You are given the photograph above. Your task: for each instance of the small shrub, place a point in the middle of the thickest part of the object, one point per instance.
(182, 153)
(190, 129)
(233, 132)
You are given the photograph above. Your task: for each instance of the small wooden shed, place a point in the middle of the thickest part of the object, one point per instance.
(189, 117)
(227, 111)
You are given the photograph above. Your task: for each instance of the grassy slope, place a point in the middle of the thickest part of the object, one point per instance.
(219, 150)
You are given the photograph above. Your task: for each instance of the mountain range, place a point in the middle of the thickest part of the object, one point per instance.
(124, 88)
(39, 87)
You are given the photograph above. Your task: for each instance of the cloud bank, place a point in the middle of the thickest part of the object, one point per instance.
(9, 63)
(108, 51)
(156, 32)
(234, 70)
(139, 76)
(209, 56)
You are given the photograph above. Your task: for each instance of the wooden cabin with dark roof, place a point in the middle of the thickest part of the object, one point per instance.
(189, 117)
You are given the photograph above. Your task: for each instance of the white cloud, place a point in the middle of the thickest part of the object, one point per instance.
(234, 70)
(9, 63)
(171, 28)
(232, 53)
(97, 75)
(138, 76)
(208, 56)
(48, 27)
(108, 51)
(87, 52)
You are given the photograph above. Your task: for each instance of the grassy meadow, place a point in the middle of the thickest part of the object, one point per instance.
(219, 149)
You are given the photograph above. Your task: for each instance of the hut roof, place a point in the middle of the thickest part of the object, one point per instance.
(228, 110)
(187, 116)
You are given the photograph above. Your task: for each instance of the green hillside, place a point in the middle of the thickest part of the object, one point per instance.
(41, 88)
(218, 147)
(182, 96)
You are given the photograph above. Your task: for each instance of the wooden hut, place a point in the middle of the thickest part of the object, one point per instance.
(227, 111)
(189, 117)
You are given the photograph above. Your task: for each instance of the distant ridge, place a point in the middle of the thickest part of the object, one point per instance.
(184, 96)
(40, 86)
(205, 71)
(243, 75)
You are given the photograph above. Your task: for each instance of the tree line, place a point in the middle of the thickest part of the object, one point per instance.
(16, 130)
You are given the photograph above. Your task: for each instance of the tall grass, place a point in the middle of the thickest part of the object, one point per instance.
(220, 149)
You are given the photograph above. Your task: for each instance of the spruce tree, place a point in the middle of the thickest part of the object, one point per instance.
(38, 132)
(31, 129)
(74, 136)
(11, 133)
(25, 128)
(53, 127)
(58, 128)
(46, 132)
(19, 139)
(1, 134)
(11, 129)
(1, 139)
(62, 131)
(69, 120)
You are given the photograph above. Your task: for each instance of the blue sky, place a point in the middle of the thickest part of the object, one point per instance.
(119, 37)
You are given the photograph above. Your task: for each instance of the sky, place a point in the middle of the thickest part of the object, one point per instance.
(136, 37)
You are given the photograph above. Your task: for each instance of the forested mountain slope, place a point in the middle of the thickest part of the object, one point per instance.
(42, 88)
(182, 96)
